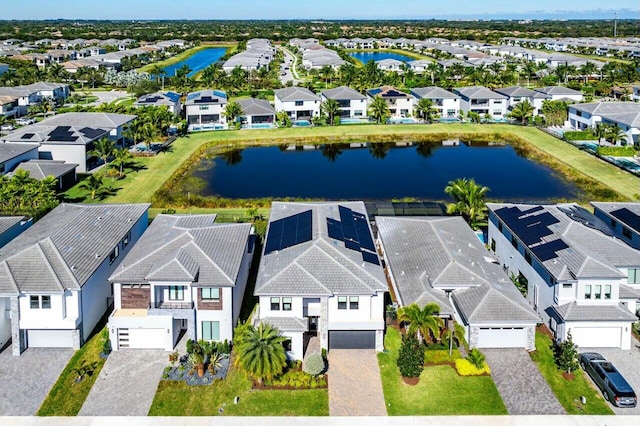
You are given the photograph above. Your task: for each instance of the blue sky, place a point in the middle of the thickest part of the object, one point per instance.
(305, 9)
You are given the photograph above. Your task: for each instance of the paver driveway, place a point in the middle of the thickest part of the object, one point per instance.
(127, 383)
(355, 387)
(523, 389)
(26, 380)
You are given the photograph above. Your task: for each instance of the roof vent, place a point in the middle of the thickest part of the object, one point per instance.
(97, 256)
(74, 267)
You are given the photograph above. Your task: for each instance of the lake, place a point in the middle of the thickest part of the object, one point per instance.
(198, 61)
(383, 171)
(365, 57)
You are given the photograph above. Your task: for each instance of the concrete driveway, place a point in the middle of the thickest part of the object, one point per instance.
(106, 97)
(628, 364)
(25, 380)
(523, 389)
(127, 383)
(355, 387)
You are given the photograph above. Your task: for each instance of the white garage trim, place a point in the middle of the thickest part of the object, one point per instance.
(597, 337)
(50, 338)
(502, 337)
(141, 338)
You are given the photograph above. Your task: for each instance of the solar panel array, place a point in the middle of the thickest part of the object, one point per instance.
(353, 230)
(92, 133)
(289, 231)
(628, 217)
(63, 134)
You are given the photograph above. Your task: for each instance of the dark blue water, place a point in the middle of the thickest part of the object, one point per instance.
(198, 61)
(355, 173)
(365, 57)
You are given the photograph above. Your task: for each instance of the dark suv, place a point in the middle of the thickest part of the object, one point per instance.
(614, 387)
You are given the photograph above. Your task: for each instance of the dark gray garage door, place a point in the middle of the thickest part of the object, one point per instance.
(352, 339)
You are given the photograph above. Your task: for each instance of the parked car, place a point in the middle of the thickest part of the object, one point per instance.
(24, 121)
(7, 127)
(614, 387)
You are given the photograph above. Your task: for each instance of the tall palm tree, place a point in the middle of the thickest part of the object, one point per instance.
(102, 148)
(529, 70)
(423, 322)
(379, 110)
(469, 200)
(616, 134)
(330, 109)
(522, 111)
(159, 73)
(121, 157)
(425, 110)
(94, 184)
(600, 131)
(232, 111)
(211, 75)
(260, 352)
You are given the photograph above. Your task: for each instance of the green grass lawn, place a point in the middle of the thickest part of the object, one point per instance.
(179, 399)
(440, 390)
(568, 392)
(66, 397)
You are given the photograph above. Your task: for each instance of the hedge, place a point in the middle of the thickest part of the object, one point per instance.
(584, 135)
(617, 151)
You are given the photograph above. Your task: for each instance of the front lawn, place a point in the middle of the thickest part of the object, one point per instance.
(179, 399)
(440, 390)
(568, 392)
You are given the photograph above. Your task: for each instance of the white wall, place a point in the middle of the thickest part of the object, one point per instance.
(63, 314)
(292, 109)
(5, 320)
(297, 345)
(70, 153)
(368, 316)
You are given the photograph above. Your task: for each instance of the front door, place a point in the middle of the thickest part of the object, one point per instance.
(313, 324)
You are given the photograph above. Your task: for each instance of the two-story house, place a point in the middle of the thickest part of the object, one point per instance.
(170, 100)
(483, 101)
(400, 103)
(320, 275)
(624, 115)
(517, 94)
(204, 110)
(54, 275)
(186, 273)
(352, 103)
(299, 103)
(623, 219)
(579, 278)
(446, 103)
(561, 93)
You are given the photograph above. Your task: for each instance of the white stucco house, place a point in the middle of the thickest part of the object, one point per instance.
(257, 112)
(400, 103)
(170, 100)
(624, 115)
(298, 102)
(561, 93)
(186, 273)
(579, 278)
(447, 103)
(353, 104)
(53, 276)
(483, 101)
(204, 110)
(517, 94)
(320, 276)
(392, 65)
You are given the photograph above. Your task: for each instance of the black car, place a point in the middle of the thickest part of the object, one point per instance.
(614, 387)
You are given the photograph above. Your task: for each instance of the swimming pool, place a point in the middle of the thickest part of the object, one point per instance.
(448, 120)
(401, 121)
(261, 126)
(205, 127)
(632, 166)
(302, 123)
(354, 120)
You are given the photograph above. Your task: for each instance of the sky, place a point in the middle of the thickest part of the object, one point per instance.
(308, 9)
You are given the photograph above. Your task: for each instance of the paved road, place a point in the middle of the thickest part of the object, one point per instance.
(290, 61)
(355, 387)
(520, 383)
(106, 97)
(127, 383)
(25, 380)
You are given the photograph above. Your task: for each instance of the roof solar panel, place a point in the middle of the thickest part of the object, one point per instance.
(27, 136)
(289, 231)
(629, 218)
(549, 250)
(92, 133)
(370, 257)
(334, 228)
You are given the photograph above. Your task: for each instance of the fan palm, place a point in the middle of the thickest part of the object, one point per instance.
(423, 322)
(469, 200)
(103, 148)
(260, 352)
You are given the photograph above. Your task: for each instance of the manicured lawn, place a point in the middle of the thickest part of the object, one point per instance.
(66, 397)
(568, 392)
(179, 399)
(440, 390)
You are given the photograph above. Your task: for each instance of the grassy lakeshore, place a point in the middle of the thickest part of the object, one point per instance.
(182, 56)
(575, 165)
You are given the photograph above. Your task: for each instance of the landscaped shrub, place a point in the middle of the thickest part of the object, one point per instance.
(476, 358)
(435, 357)
(314, 364)
(566, 354)
(411, 357)
(465, 368)
(583, 135)
(297, 379)
(617, 151)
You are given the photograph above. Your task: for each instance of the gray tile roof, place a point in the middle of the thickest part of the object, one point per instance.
(629, 292)
(291, 94)
(570, 242)
(41, 133)
(64, 249)
(205, 97)
(626, 213)
(321, 266)
(254, 106)
(428, 254)
(575, 312)
(186, 248)
(7, 222)
(433, 92)
(478, 92)
(557, 90)
(40, 169)
(13, 150)
(343, 92)
(105, 120)
(622, 112)
(287, 323)
(518, 91)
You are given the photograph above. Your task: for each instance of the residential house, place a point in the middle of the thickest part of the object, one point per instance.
(419, 66)
(352, 103)
(204, 110)
(624, 115)
(446, 103)
(441, 260)
(170, 100)
(400, 103)
(561, 93)
(33, 94)
(517, 94)
(578, 278)
(12, 154)
(8, 106)
(320, 276)
(258, 54)
(64, 173)
(54, 274)
(483, 101)
(320, 57)
(186, 273)
(298, 102)
(623, 219)
(390, 65)
(257, 112)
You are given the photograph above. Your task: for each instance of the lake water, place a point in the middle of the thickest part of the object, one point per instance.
(198, 61)
(379, 172)
(365, 57)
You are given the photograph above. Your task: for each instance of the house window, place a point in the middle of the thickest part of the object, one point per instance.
(358, 113)
(587, 291)
(299, 103)
(46, 302)
(607, 292)
(500, 226)
(514, 242)
(286, 303)
(176, 292)
(40, 302)
(353, 302)
(493, 245)
(126, 240)
(527, 257)
(567, 285)
(598, 291)
(633, 276)
(34, 302)
(114, 255)
(287, 345)
(210, 294)
(342, 302)
(204, 107)
(275, 303)
(497, 112)
(211, 330)
(626, 232)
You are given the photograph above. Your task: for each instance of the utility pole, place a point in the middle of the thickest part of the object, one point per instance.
(615, 24)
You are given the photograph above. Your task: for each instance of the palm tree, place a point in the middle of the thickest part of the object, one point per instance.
(616, 134)
(121, 158)
(232, 111)
(159, 73)
(211, 75)
(469, 200)
(522, 111)
(600, 131)
(379, 110)
(260, 352)
(529, 70)
(330, 108)
(103, 148)
(424, 322)
(425, 110)
(94, 184)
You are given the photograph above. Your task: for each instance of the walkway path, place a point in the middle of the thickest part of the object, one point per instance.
(523, 389)
(293, 59)
(355, 388)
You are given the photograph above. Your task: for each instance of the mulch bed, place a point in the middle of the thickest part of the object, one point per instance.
(545, 330)
(568, 376)
(411, 381)
(182, 373)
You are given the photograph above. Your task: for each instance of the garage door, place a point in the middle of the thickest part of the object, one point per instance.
(597, 337)
(49, 339)
(502, 337)
(352, 339)
(141, 338)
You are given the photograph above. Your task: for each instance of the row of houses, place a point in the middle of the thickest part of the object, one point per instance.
(602, 46)
(316, 56)
(323, 274)
(258, 54)
(16, 100)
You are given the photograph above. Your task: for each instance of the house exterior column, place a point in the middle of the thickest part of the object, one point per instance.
(323, 323)
(17, 346)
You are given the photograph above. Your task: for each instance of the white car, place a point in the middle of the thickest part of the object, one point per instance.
(25, 121)
(7, 127)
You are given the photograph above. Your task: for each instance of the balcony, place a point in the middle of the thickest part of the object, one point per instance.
(171, 305)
